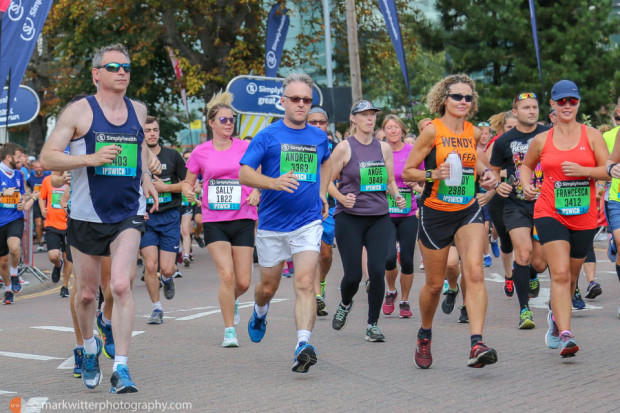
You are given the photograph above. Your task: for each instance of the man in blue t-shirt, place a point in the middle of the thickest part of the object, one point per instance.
(34, 182)
(295, 172)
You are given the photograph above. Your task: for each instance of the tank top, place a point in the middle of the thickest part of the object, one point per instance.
(112, 192)
(568, 199)
(613, 186)
(452, 198)
(365, 176)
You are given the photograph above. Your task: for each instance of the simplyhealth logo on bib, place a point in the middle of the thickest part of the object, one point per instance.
(301, 159)
(224, 194)
(126, 163)
(572, 197)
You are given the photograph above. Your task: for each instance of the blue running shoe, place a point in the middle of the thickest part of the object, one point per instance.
(8, 297)
(568, 344)
(91, 373)
(78, 355)
(552, 339)
(15, 284)
(257, 326)
(495, 248)
(105, 331)
(612, 251)
(305, 357)
(487, 261)
(578, 302)
(121, 382)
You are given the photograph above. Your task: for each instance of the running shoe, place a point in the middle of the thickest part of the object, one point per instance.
(526, 321)
(257, 327)
(612, 251)
(8, 297)
(509, 286)
(578, 302)
(594, 290)
(64, 292)
(105, 332)
(121, 382)
(423, 357)
(305, 357)
(421, 266)
(91, 373)
(291, 267)
(157, 317)
(552, 338)
(405, 310)
(463, 318)
(15, 284)
(447, 306)
(237, 319)
(286, 273)
(568, 345)
(481, 355)
(446, 286)
(179, 258)
(534, 287)
(230, 338)
(56, 272)
(388, 304)
(200, 241)
(487, 262)
(495, 248)
(340, 316)
(40, 248)
(78, 355)
(321, 307)
(373, 334)
(168, 288)
(186, 260)
(139, 262)
(323, 284)
(177, 274)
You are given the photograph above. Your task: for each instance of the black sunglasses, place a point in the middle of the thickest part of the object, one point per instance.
(115, 67)
(296, 99)
(457, 97)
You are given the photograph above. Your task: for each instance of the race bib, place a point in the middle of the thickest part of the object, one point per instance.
(126, 163)
(163, 197)
(301, 159)
(373, 176)
(10, 201)
(56, 196)
(572, 197)
(405, 193)
(224, 194)
(461, 194)
(184, 201)
(37, 188)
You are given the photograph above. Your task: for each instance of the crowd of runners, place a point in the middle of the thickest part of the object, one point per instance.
(529, 195)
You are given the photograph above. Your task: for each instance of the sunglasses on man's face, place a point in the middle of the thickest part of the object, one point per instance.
(316, 122)
(115, 67)
(570, 101)
(297, 99)
(457, 97)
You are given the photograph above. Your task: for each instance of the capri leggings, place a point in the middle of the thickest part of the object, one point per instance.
(353, 232)
(496, 210)
(405, 231)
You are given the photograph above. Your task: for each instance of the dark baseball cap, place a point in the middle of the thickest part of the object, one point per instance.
(362, 106)
(565, 89)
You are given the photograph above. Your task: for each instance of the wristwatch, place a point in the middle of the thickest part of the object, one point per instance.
(429, 175)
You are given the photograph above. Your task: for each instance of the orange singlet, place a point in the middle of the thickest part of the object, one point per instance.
(568, 199)
(439, 196)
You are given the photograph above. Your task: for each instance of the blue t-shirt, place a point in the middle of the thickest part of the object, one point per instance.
(35, 181)
(278, 149)
(8, 205)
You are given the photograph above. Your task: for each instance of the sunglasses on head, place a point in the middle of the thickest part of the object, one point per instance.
(224, 120)
(297, 99)
(315, 122)
(115, 67)
(457, 97)
(485, 124)
(528, 95)
(570, 101)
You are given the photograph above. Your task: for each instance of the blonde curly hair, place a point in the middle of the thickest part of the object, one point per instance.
(219, 101)
(436, 98)
(498, 121)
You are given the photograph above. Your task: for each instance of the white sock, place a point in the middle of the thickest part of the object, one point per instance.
(261, 311)
(90, 345)
(392, 292)
(13, 271)
(487, 255)
(79, 346)
(157, 306)
(303, 335)
(119, 360)
(105, 320)
(165, 279)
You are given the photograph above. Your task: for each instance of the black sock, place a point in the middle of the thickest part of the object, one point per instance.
(475, 339)
(425, 334)
(533, 273)
(521, 278)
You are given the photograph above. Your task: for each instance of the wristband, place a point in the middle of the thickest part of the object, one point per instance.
(496, 185)
(610, 167)
(149, 173)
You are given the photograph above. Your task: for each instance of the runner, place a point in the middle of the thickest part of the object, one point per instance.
(107, 153)
(13, 203)
(295, 172)
(451, 213)
(34, 181)
(229, 211)
(404, 223)
(160, 241)
(187, 223)
(572, 156)
(366, 169)
(508, 153)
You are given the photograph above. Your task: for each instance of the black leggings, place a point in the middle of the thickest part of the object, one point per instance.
(550, 229)
(353, 232)
(405, 231)
(496, 211)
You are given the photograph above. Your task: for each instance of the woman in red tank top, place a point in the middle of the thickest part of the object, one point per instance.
(572, 157)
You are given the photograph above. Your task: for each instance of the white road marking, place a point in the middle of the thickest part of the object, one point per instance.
(67, 364)
(7, 392)
(28, 356)
(34, 405)
(495, 277)
(241, 305)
